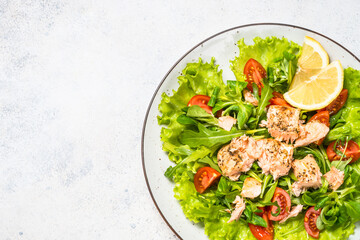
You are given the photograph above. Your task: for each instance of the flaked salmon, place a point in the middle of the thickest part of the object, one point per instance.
(238, 210)
(249, 97)
(307, 173)
(226, 122)
(311, 132)
(335, 177)
(236, 157)
(293, 213)
(283, 123)
(251, 188)
(246, 147)
(274, 157)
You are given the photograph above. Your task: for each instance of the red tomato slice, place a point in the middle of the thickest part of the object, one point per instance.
(278, 99)
(254, 72)
(262, 233)
(352, 151)
(323, 117)
(201, 101)
(219, 113)
(284, 201)
(310, 222)
(338, 103)
(204, 177)
(277, 95)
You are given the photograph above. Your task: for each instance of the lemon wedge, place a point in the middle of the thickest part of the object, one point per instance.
(313, 55)
(314, 89)
(316, 82)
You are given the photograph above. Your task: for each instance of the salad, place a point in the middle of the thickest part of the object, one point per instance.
(271, 154)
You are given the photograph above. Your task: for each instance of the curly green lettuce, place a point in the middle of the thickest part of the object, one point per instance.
(264, 50)
(197, 78)
(348, 124)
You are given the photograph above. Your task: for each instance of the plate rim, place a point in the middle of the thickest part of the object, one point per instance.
(172, 68)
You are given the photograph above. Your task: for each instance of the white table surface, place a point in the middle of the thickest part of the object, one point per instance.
(75, 81)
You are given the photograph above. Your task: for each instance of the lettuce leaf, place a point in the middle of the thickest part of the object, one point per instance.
(196, 78)
(196, 208)
(220, 229)
(264, 50)
(350, 113)
(293, 229)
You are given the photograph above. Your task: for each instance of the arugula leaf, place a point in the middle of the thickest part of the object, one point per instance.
(252, 218)
(321, 203)
(210, 162)
(185, 120)
(210, 138)
(200, 114)
(244, 114)
(266, 95)
(199, 153)
(265, 183)
(334, 119)
(270, 193)
(353, 209)
(213, 98)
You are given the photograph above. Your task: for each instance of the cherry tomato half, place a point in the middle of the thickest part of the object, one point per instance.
(254, 72)
(310, 222)
(283, 199)
(323, 117)
(201, 101)
(338, 103)
(352, 151)
(262, 233)
(204, 177)
(278, 99)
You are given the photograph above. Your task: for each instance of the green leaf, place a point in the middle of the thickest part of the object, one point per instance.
(270, 193)
(353, 209)
(185, 120)
(213, 98)
(266, 95)
(265, 184)
(196, 78)
(199, 153)
(264, 50)
(200, 114)
(210, 162)
(321, 203)
(243, 115)
(210, 138)
(350, 114)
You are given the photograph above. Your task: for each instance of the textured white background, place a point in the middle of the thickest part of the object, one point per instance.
(75, 81)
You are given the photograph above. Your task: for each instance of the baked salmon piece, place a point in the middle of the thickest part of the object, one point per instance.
(335, 177)
(311, 132)
(246, 147)
(238, 210)
(283, 123)
(274, 157)
(293, 213)
(249, 97)
(237, 157)
(307, 173)
(226, 122)
(251, 188)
